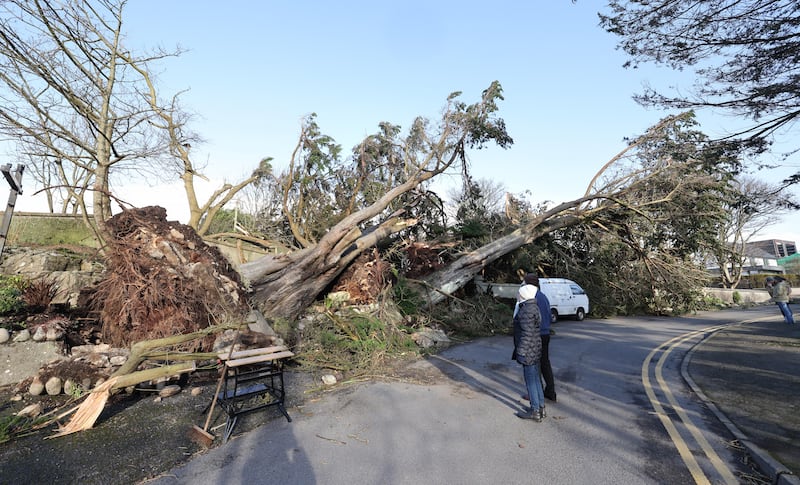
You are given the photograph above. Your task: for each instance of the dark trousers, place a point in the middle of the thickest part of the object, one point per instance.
(547, 371)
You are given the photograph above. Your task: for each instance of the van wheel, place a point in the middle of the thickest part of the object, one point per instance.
(553, 315)
(580, 314)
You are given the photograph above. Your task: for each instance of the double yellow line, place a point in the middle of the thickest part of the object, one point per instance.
(683, 449)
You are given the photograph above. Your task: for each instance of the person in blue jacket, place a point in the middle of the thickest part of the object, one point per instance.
(544, 310)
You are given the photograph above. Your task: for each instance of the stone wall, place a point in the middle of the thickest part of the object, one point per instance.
(46, 229)
(746, 296)
(70, 271)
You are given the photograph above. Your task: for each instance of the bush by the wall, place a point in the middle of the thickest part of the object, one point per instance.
(11, 289)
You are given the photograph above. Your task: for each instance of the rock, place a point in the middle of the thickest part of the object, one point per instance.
(117, 360)
(86, 383)
(5, 336)
(16, 397)
(337, 299)
(36, 388)
(22, 336)
(54, 333)
(88, 349)
(258, 323)
(429, 337)
(170, 390)
(69, 272)
(31, 411)
(40, 334)
(329, 379)
(70, 387)
(96, 360)
(196, 391)
(53, 386)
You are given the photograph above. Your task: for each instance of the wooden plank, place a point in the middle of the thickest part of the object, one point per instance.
(250, 352)
(259, 358)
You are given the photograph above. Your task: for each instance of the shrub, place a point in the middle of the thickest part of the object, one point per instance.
(354, 341)
(11, 289)
(407, 299)
(39, 293)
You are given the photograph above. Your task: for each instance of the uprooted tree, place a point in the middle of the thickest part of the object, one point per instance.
(665, 170)
(284, 285)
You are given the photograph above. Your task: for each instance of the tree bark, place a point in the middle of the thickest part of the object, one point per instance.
(461, 271)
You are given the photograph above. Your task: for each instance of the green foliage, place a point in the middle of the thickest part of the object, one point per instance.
(11, 289)
(478, 212)
(710, 302)
(11, 425)
(737, 297)
(743, 53)
(77, 391)
(353, 341)
(481, 316)
(407, 299)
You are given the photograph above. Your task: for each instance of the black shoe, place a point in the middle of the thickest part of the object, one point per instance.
(551, 397)
(531, 414)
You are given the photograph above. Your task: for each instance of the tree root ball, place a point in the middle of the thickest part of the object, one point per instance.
(162, 279)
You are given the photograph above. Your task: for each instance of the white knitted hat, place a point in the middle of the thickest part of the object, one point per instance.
(527, 292)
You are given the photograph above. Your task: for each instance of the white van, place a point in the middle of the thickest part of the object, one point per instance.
(566, 297)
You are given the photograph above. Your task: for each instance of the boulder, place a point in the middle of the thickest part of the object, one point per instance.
(53, 386)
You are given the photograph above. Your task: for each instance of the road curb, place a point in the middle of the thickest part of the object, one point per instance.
(777, 472)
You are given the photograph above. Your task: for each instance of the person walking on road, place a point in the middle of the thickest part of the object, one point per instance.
(544, 363)
(528, 349)
(779, 289)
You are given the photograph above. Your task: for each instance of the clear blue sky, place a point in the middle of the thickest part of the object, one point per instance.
(254, 69)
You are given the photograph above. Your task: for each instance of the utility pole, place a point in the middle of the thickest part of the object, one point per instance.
(14, 179)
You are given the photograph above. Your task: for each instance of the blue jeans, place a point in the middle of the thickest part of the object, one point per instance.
(533, 382)
(787, 312)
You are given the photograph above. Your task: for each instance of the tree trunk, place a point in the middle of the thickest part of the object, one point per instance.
(458, 273)
(284, 286)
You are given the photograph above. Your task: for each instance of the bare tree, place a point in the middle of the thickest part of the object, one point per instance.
(74, 96)
(85, 110)
(172, 123)
(752, 205)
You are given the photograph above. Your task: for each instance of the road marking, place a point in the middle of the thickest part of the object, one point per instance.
(686, 454)
(681, 445)
(712, 455)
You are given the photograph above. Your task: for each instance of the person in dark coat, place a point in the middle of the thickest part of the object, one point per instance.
(544, 364)
(528, 349)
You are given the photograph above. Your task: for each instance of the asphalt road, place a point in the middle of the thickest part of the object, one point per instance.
(625, 414)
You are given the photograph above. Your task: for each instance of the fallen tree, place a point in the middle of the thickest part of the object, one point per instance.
(284, 285)
(664, 167)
